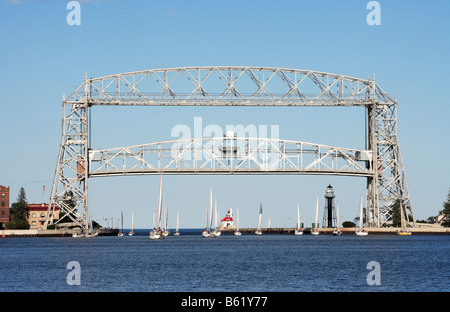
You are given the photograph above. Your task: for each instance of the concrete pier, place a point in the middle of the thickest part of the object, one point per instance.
(349, 231)
(52, 233)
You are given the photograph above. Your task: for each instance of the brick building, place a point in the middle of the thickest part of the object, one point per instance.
(4, 205)
(38, 214)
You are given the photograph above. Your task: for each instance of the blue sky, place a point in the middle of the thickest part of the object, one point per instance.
(41, 57)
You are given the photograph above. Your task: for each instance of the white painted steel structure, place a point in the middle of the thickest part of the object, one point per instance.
(381, 163)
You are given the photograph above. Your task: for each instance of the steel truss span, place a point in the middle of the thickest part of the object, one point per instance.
(229, 155)
(381, 163)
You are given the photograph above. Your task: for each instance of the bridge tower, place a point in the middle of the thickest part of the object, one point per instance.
(381, 160)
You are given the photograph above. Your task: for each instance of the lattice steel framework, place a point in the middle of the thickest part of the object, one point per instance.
(381, 163)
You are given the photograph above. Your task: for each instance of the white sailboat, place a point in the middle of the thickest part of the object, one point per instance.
(217, 231)
(91, 232)
(207, 231)
(121, 219)
(336, 231)
(298, 229)
(156, 232)
(131, 233)
(403, 230)
(237, 233)
(361, 231)
(81, 234)
(258, 230)
(315, 229)
(165, 231)
(176, 233)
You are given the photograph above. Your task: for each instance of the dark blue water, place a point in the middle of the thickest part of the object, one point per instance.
(250, 263)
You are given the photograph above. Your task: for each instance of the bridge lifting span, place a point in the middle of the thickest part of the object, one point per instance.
(380, 163)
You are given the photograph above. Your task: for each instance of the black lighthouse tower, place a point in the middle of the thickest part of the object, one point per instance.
(329, 215)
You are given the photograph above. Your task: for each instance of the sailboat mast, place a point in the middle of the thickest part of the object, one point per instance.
(260, 216)
(317, 212)
(210, 206)
(238, 220)
(159, 202)
(337, 214)
(166, 217)
(361, 214)
(216, 218)
(298, 216)
(402, 217)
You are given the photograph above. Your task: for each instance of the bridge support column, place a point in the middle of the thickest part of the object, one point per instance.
(69, 191)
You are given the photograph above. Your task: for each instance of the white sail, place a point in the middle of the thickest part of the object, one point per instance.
(176, 233)
(361, 231)
(404, 230)
(337, 214)
(298, 230)
(210, 207)
(216, 232)
(132, 224)
(317, 212)
(237, 233)
(216, 219)
(361, 215)
(156, 233)
(402, 217)
(158, 219)
(258, 231)
(315, 230)
(121, 220)
(166, 216)
(336, 231)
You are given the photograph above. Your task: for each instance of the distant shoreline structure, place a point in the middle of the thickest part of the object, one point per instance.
(248, 231)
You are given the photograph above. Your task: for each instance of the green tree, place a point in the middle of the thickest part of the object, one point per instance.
(396, 216)
(19, 212)
(348, 224)
(446, 211)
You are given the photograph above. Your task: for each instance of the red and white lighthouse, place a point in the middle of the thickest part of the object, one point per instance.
(227, 222)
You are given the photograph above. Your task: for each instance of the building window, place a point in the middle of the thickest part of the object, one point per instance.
(33, 223)
(3, 204)
(3, 194)
(42, 214)
(33, 215)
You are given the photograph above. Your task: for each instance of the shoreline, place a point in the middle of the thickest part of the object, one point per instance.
(52, 233)
(282, 231)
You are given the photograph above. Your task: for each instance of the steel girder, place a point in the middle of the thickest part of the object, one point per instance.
(233, 86)
(225, 155)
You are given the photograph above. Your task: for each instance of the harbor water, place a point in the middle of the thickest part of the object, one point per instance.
(247, 263)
